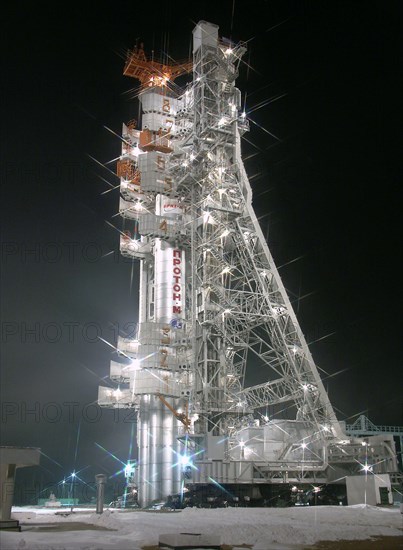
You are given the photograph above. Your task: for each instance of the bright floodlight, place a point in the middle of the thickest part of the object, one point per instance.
(184, 460)
(206, 216)
(128, 469)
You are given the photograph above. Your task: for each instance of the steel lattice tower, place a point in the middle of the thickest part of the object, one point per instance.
(210, 297)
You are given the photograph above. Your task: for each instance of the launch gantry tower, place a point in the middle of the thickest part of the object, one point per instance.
(210, 298)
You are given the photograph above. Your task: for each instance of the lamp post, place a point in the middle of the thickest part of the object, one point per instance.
(72, 477)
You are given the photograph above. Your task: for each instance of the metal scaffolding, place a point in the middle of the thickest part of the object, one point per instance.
(211, 299)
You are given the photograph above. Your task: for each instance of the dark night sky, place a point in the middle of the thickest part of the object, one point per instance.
(327, 192)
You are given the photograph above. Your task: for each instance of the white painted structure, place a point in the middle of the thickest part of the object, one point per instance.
(210, 298)
(369, 489)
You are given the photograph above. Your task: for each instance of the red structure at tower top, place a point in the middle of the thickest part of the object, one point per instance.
(152, 73)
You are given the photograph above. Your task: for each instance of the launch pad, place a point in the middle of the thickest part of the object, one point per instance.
(210, 299)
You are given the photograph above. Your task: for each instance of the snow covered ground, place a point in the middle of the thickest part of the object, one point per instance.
(262, 528)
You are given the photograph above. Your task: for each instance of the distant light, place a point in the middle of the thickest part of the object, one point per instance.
(303, 445)
(185, 163)
(266, 418)
(73, 474)
(243, 115)
(192, 156)
(221, 122)
(226, 270)
(294, 489)
(240, 404)
(367, 468)
(305, 387)
(64, 481)
(242, 444)
(228, 51)
(363, 443)
(138, 206)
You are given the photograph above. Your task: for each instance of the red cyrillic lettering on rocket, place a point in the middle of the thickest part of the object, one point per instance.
(176, 275)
